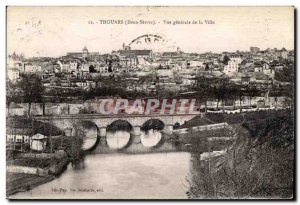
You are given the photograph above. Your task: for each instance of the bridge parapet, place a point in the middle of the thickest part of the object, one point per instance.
(105, 120)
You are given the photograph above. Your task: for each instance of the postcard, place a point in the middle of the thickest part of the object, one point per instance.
(150, 103)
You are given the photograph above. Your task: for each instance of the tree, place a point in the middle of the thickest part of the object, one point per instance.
(204, 88)
(222, 91)
(11, 94)
(92, 69)
(235, 92)
(207, 67)
(251, 92)
(256, 165)
(31, 89)
(226, 59)
(217, 95)
(241, 95)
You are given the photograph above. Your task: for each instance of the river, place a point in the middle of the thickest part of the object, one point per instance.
(120, 176)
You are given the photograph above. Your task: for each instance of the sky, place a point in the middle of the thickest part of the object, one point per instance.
(54, 31)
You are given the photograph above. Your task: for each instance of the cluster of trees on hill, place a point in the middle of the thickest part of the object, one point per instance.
(258, 164)
(31, 90)
(222, 89)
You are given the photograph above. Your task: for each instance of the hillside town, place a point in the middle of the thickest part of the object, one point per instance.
(264, 76)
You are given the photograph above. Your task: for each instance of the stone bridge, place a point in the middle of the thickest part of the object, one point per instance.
(102, 122)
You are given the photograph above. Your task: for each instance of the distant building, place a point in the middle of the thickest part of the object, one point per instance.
(236, 58)
(284, 53)
(128, 60)
(15, 61)
(85, 53)
(64, 65)
(73, 65)
(189, 80)
(17, 137)
(171, 54)
(137, 53)
(254, 50)
(126, 51)
(38, 142)
(258, 68)
(231, 67)
(32, 68)
(13, 74)
(196, 63)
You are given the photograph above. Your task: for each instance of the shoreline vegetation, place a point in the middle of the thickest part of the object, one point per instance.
(258, 164)
(24, 171)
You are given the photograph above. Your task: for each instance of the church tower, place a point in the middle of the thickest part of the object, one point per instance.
(85, 52)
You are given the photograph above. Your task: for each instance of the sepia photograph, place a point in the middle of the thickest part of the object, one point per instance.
(150, 103)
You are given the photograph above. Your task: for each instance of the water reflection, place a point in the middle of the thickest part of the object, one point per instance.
(78, 163)
(151, 138)
(90, 138)
(121, 176)
(117, 139)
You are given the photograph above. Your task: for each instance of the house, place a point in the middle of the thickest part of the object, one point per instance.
(17, 135)
(85, 68)
(189, 80)
(32, 68)
(236, 58)
(15, 61)
(266, 66)
(258, 68)
(64, 66)
(196, 64)
(18, 138)
(38, 142)
(165, 72)
(163, 62)
(13, 74)
(268, 70)
(73, 65)
(231, 67)
(128, 60)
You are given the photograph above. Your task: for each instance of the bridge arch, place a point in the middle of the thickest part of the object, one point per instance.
(155, 124)
(151, 132)
(68, 131)
(118, 134)
(90, 132)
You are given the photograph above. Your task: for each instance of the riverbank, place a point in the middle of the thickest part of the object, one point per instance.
(19, 182)
(28, 170)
